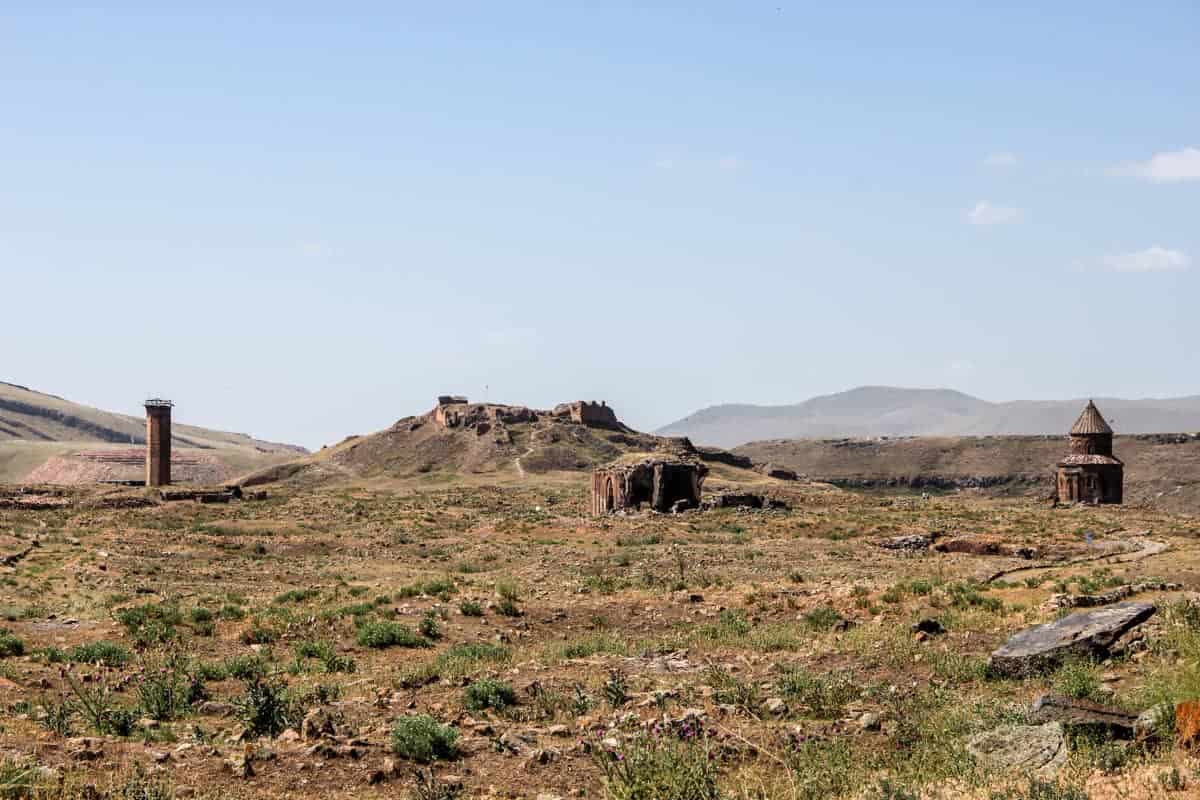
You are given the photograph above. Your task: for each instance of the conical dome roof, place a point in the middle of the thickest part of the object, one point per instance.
(1090, 422)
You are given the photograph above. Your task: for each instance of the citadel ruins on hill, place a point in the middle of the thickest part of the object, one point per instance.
(455, 411)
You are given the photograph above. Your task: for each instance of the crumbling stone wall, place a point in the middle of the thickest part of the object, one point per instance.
(664, 485)
(449, 410)
(591, 413)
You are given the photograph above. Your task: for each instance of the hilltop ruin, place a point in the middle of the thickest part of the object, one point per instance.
(455, 411)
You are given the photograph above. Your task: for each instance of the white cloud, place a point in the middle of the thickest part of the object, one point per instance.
(1002, 159)
(985, 213)
(1172, 167)
(1152, 259)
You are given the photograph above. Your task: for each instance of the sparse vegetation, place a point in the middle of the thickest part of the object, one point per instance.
(380, 635)
(700, 655)
(423, 739)
(489, 693)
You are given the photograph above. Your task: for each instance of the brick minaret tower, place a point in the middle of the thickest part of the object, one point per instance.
(158, 442)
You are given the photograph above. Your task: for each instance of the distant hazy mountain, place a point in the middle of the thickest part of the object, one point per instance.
(890, 411)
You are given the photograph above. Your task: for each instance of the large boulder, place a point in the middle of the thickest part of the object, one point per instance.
(1040, 749)
(1090, 634)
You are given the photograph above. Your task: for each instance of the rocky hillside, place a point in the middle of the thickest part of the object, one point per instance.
(890, 411)
(1162, 470)
(56, 440)
(479, 439)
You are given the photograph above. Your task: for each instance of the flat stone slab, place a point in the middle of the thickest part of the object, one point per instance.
(1040, 749)
(1070, 711)
(1089, 634)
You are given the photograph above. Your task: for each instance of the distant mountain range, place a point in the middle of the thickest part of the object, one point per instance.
(891, 411)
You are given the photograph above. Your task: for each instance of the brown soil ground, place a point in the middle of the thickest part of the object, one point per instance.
(613, 623)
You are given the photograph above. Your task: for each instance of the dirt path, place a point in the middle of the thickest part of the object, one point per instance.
(1146, 549)
(517, 461)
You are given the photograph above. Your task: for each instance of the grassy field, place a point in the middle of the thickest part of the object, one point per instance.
(438, 638)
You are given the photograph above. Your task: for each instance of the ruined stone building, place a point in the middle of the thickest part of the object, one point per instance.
(453, 411)
(1089, 473)
(449, 410)
(590, 413)
(666, 485)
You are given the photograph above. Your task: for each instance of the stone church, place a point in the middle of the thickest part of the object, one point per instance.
(1089, 473)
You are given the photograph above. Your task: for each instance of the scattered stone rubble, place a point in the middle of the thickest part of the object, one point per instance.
(978, 545)
(913, 543)
(1058, 601)
(743, 500)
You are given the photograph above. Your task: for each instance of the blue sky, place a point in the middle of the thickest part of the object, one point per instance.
(305, 221)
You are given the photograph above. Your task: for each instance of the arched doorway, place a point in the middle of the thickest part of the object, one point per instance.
(610, 495)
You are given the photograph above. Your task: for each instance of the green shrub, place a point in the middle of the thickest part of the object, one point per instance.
(360, 612)
(734, 621)
(245, 667)
(266, 709)
(470, 608)
(823, 768)
(507, 589)
(379, 635)
(489, 693)
(1077, 678)
(297, 595)
(616, 690)
(327, 655)
(968, 595)
(99, 707)
(591, 645)
(56, 716)
(19, 780)
(729, 690)
(165, 690)
(421, 738)
(152, 623)
(10, 644)
(822, 618)
(461, 659)
(429, 627)
(823, 695)
(232, 612)
(441, 588)
(653, 767)
(103, 653)
(200, 616)
(259, 634)
(53, 655)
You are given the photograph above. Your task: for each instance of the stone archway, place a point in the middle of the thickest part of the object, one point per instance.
(610, 495)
